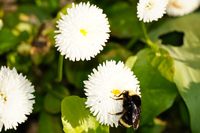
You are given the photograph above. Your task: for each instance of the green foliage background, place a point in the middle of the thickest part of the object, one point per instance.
(169, 78)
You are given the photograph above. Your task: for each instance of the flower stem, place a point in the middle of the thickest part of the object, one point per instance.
(60, 68)
(148, 41)
(132, 41)
(144, 31)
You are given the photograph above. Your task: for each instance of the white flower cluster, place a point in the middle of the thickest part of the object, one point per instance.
(16, 98)
(108, 80)
(152, 10)
(181, 7)
(82, 33)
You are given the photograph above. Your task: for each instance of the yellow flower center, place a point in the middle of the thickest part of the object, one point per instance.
(4, 97)
(83, 32)
(115, 92)
(149, 6)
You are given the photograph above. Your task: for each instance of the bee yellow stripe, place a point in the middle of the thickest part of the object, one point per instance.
(124, 124)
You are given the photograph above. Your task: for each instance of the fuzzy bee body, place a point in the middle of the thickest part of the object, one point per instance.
(130, 115)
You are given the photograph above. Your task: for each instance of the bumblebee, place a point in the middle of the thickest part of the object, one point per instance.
(130, 115)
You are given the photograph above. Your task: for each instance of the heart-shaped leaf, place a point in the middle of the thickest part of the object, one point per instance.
(158, 92)
(76, 118)
(186, 61)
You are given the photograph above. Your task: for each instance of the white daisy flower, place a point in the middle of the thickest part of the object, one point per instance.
(151, 10)
(181, 7)
(82, 32)
(16, 98)
(102, 87)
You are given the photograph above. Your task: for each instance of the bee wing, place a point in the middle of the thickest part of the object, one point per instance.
(134, 112)
(135, 116)
(136, 122)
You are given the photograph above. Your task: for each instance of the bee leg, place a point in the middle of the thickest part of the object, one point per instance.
(119, 113)
(116, 98)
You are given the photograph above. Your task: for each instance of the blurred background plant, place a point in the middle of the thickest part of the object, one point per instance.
(170, 81)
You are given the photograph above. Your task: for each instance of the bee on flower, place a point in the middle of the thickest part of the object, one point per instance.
(113, 95)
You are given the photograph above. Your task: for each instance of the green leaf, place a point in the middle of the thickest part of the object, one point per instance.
(187, 79)
(11, 19)
(186, 24)
(21, 63)
(114, 51)
(48, 5)
(52, 100)
(130, 61)
(60, 91)
(7, 40)
(77, 119)
(186, 61)
(38, 105)
(52, 104)
(163, 62)
(158, 93)
(76, 72)
(31, 9)
(123, 20)
(49, 123)
(157, 127)
(63, 11)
